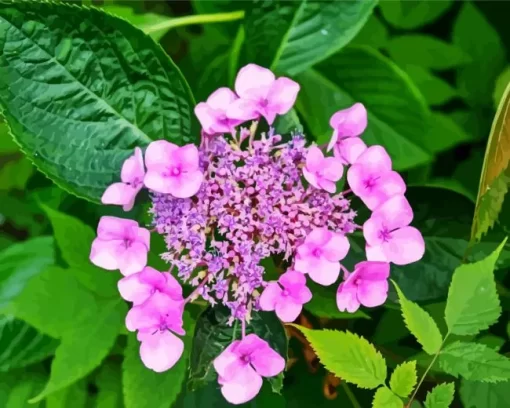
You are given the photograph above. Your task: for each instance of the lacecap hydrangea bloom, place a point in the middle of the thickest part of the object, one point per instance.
(242, 196)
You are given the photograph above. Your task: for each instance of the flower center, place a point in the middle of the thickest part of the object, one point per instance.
(285, 292)
(264, 103)
(370, 182)
(246, 359)
(175, 171)
(127, 242)
(317, 252)
(385, 235)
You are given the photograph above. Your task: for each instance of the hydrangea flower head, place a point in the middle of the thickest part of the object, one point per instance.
(240, 197)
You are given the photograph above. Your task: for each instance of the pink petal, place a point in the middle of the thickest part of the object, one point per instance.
(133, 169)
(207, 117)
(244, 387)
(314, 159)
(225, 359)
(134, 259)
(350, 122)
(268, 114)
(396, 212)
(318, 237)
(390, 184)
(336, 248)
(155, 181)
(173, 287)
(133, 289)
(356, 176)
(373, 293)
(332, 169)
(243, 109)
(405, 246)
(106, 254)
(250, 344)
(333, 141)
(346, 298)
(282, 95)
(143, 235)
(349, 149)
(311, 178)
(113, 228)
(301, 295)
(142, 318)
(292, 280)
(267, 362)
(327, 185)
(187, 184)
(375, 160)
(372, 229)
(120, 194)
(324, 272)
(187, 156)
(303, 264)
(159, 154)
(161, 351)
(287, 309)
(375, 253)
(221, 98)
(373, 271)
(254, 82)
(270, 296)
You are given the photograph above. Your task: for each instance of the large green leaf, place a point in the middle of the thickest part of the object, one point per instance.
(397, 113)
(374, 34)
(348, 356)
(412, 14)
(291, 36)
(109, 383)
(22, 345)
(444, 133)
(146, 388)
(95, 88)
(213, 335)
(476, 394)
(75, 395)
(17, 387)
(20, 262)
(473, 303)
(435, 90)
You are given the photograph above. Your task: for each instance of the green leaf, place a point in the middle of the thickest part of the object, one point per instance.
(109, 88)
(355, 75)
(475, 362)
(404, 378)
(425, 51)
(57, 304)
(435, 90)
(20, 262)
(374, 34)
(444, 134)
(473, 303)
(291, 36)
(495, 177)
(412, 14)
(348, 356)
(15, 171)
(108, 381)
(441, 396)
(476, 394)
(384, 398)
(288, 123)
(16, 388)
(420, 324)
(492, 341)
(146, 388)
(213, 334)
(501, 84)
(21, 345)
(73, 396)
(476, 79)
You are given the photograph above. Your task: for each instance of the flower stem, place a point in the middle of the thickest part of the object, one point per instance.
(200, 286)
(243, 328)
(350, 395)
(195, 19)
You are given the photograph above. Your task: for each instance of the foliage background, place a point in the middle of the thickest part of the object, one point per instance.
(431, 74)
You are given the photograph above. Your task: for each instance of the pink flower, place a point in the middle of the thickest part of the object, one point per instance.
(319, 255)
(322, 172)
(242, 365)
(388, 236)
(139, 287)
(367, 286)
(213, 113)
(349, 149)
(260, 93)
(156, 320)
(131, 176)
(120, 244)
(287, 296)
(172, 169)
(350, 122)
(372, 179)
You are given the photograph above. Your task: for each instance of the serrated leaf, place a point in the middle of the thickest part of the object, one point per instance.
(21, 262)
(143, 387)
(420, 324)
(213, 334)
(21, 345)
(412, 14)
(384, 398)
(404, 378)
(441, 396)
(348, 356)
(476, 394)
(475, 362)
(354, 75)
(291, 36)
(473, 304)
(95, 88)
(495, 177)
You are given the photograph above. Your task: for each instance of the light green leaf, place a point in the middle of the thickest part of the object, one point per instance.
(412, 14)
(425, 51)
(109, 383)
(404, 378)
(73, 396)
(473, 303)
(7, 143)
(358, 362)
(21, 345)
(441, 396)
(291, 36)
(435, 90)
(420, 324)
(476, 394)
(146, 388)
(476, 79)
(360, 74)
(444, 133)
(90, 94)
(374, 34)
(15, 171)
(475, 362)
(20, 262)
(384, 398)
(501, 83)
